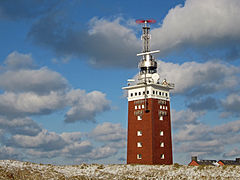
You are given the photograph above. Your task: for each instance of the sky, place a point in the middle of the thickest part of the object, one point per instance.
(63, 65)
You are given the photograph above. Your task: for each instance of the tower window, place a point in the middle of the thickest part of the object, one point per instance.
(153, 92)
(135, 107)
(166, 107)
(161, 133)
(162, 156)
(139, 106)
(163, 107)
(160, 93)
(143, 92)
(161, 144)
(135, 94)
(139, 93)
(147, 92)
(131, 94)
(143, 106)
(139, 117)
(139, 144)
(161, 118)
(139, 156)
(139, 133)
(166, 94)
(160, 106)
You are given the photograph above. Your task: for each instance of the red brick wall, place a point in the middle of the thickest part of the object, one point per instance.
(150, 125)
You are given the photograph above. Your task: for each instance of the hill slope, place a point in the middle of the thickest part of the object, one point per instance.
(10, 169)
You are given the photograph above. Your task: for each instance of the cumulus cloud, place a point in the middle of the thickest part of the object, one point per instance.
(183, 117)
(45, 141)
(10, 153)
(25, 9)
(16, 61)
(85, 106)
(193, 79)
(23, 126)
(108, 132)
(24, 104)
(40, 81)
(207, 104)
(106, 43)
(206, 24)
(231, 105)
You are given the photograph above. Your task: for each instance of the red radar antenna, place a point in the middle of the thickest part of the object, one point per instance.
(141, 21)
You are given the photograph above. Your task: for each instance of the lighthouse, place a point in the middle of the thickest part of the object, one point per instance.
(149, 138)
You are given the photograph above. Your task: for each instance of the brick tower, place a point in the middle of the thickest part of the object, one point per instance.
(149, 124)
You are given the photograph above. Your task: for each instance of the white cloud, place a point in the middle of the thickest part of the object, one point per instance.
(108, 132)
(23, 104)
(85, 106)
(231, 105)
(16, 61)
(45, 141)
(9, 153)
(202, 23)
(233, 153)
(40, 81)
(24, 126)
(192, 78)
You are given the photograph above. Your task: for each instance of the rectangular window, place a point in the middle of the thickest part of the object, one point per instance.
(142, 106)
(139, 144)
(143, 92)
(161, 118)
(139, 133)
(163, 107)
(135, 94)
(139, 156)
(161, 133)
(153, 92)
(135, 107)
(139, 93)
(162, 156)
(147, 92)
(139, 106)
(160, 106)
(166, 107)
(166, 94)
(131, 94)
(160, 93)
(162, 144)
(139, 117)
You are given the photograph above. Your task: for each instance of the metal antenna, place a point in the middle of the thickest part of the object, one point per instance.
(148, 65)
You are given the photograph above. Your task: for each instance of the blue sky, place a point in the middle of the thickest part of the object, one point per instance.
(63, 64)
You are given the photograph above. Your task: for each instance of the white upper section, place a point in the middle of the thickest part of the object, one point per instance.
(155, 91)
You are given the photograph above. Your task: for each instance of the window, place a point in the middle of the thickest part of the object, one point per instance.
(139, 117)
(162, 156)
(139, 93)
(131, 94)
(166, 107)
(135, 107)
(160, 106)
(160, 93)
(166, 94)
(161, 133)
(142, 106)
(147, 92)
(135, 94)
(153, 92)
(139, 144)
(143, 92)
(139, 133)
(139, 156)
(139, 106)
(161, 144)
(161, 118)
(163, 107)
